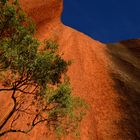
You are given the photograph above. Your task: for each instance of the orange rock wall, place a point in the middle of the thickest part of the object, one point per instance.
(89, 74)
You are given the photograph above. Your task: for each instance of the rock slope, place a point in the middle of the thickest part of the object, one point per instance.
(106, 76)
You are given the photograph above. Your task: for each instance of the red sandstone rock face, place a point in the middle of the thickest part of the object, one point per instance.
(90, 76)
(43, 10)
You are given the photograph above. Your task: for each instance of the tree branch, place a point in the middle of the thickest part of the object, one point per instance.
(12, 130)
(22, 131)
(11, 112)
(6, 89)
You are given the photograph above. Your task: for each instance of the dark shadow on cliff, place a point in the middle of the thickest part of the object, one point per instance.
(125, 71)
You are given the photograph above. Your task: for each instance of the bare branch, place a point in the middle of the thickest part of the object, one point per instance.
(22, 131)
(6, 89)
(15, 118)
(11, 112)
(12, 130)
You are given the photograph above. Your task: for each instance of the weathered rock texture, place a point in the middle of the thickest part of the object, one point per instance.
(106, 76)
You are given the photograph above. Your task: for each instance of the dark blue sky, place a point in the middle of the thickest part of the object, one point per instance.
(104, 20)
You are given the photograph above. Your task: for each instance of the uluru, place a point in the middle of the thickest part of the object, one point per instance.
(106, 76)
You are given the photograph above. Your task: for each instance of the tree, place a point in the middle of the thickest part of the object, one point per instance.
(34, 79)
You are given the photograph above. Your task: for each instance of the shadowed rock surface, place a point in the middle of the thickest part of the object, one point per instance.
(125, 57)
